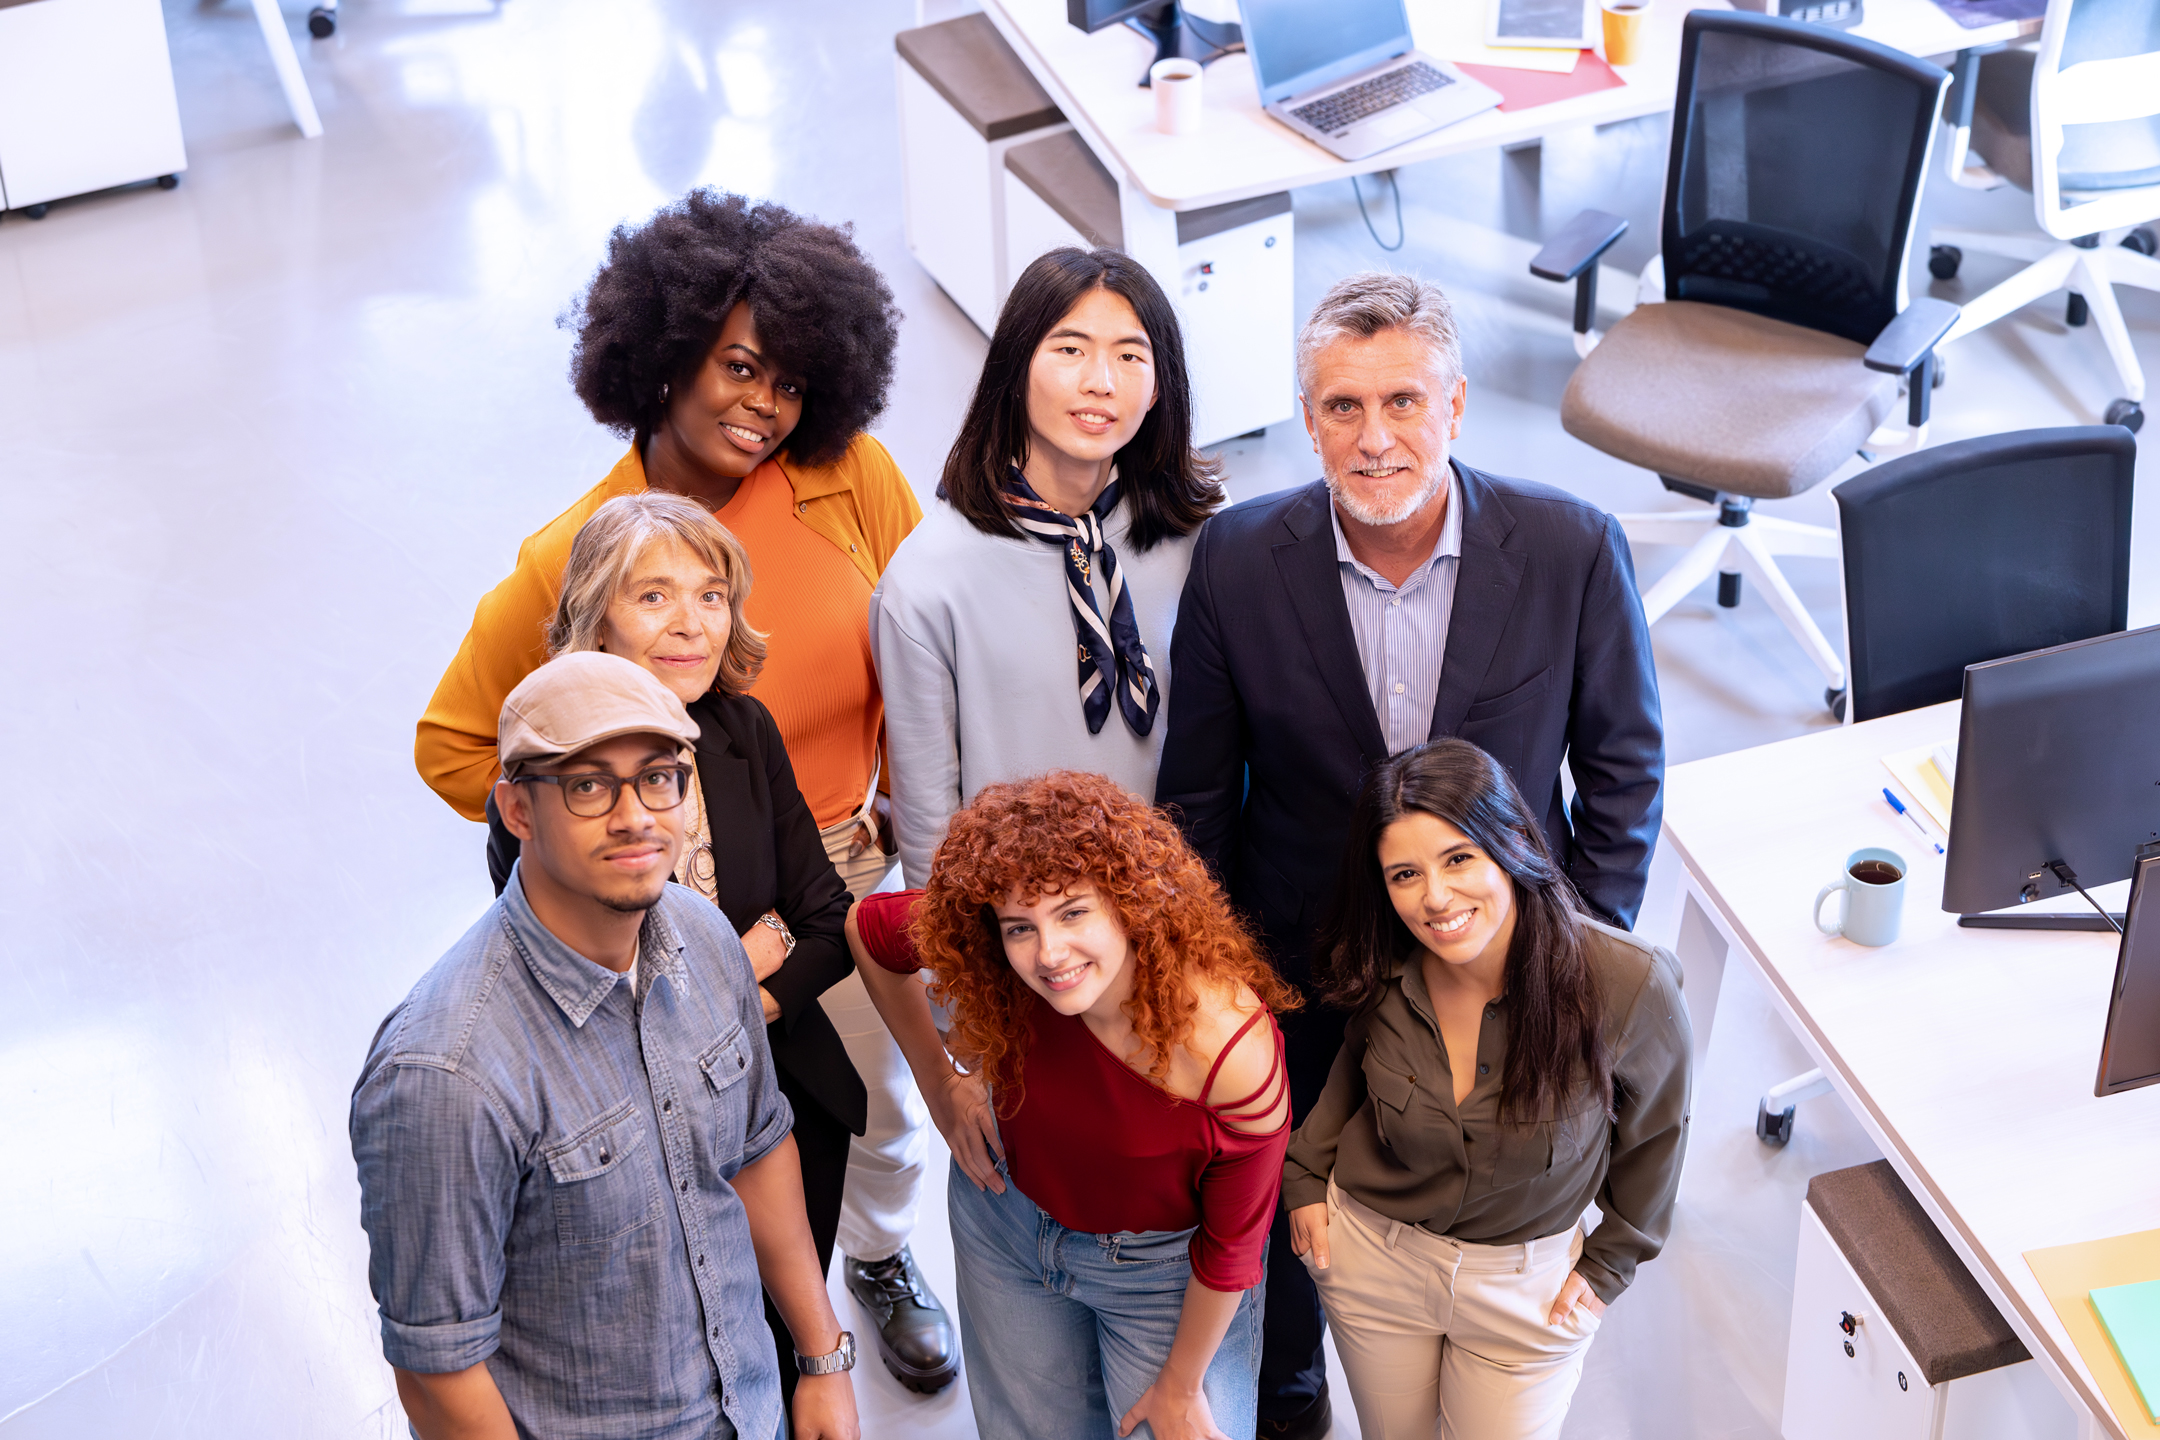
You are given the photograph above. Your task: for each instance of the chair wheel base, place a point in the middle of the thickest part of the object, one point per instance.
(2126, 413)
(1774, 1128)
(1835, 699)
(1943, 261)
(1728, 589)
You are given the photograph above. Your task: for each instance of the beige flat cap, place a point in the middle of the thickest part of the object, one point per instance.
(581, 699)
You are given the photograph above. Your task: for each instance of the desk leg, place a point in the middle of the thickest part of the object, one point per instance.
(1702, 949)
(287, 64)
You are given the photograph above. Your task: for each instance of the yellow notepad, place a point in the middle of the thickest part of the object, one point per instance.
(1916, 770)
(2069, 1274)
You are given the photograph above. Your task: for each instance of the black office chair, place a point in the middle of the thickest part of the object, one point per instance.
(1982, 549)
(1797, 159)
(1971, 552)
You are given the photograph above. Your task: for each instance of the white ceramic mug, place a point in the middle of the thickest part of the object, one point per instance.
(1176, 84)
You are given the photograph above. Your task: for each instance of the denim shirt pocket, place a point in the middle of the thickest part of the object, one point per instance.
(727, 1065)
(1391, 1093)
(604, 1188)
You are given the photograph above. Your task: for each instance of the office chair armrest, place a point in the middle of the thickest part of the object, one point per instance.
(1573, 255)
(1911, 338)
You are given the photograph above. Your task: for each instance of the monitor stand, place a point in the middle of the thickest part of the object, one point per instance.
(1993, 921)
(1179, 36)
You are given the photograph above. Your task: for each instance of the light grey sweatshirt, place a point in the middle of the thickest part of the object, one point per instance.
(973, 637)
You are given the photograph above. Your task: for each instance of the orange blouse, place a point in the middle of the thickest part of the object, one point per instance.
(857, 510)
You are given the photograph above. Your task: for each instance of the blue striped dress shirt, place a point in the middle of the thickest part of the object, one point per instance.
(1402, 630)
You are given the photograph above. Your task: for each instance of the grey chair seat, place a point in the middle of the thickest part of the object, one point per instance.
(1725, 398)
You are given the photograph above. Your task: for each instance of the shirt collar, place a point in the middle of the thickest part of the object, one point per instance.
(1448, 546)
(576, 984)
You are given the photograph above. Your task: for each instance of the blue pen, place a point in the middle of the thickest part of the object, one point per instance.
(1898, 806)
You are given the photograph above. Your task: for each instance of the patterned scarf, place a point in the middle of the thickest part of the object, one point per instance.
(1111, 657)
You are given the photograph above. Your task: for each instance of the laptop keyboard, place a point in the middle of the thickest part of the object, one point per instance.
(1346, 107)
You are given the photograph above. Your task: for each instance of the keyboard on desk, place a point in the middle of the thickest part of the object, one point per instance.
(1346, 107)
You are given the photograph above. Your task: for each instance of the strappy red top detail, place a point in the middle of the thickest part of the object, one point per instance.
(1102, 1149)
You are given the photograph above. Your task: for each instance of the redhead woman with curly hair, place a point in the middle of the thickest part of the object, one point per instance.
(1119, 1128)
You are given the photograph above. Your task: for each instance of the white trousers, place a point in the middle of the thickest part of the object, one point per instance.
(1435, 1332)
(886, 1162)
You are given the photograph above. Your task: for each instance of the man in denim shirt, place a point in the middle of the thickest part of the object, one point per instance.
(574, 1161)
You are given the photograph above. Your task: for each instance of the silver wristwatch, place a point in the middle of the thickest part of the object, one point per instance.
(839, 1360)
(787, 936)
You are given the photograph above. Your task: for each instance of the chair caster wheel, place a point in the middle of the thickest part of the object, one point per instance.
(1774, 1129)
(2126, 413)
(1943, 261)
(2077, 312)
(1936, 373)
(1728, 589)
(2142, 240)
(36, 212)
(321, 23)
(1835, 699)
(168, 182)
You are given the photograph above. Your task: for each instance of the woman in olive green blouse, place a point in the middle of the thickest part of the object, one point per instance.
(1509, 1061)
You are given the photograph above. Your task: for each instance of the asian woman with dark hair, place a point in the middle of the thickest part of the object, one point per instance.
(1068, 506)
(1508, 1061)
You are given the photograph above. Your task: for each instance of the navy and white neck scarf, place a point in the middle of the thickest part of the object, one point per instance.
(1112, 659)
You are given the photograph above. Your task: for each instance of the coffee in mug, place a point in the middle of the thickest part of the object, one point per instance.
(1873, 886)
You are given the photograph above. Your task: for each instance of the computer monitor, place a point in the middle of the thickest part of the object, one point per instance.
(1177, 35)
(2058, 761)
(2130, 1050)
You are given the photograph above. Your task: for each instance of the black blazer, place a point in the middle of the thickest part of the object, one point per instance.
(766, 856)
(1271, 727)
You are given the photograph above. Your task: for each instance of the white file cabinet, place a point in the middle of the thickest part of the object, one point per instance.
(86, 99)
(965, 99)
(1892, 1339)
(1235, 292)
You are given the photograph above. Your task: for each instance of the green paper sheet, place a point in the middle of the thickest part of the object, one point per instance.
(2130, 1314)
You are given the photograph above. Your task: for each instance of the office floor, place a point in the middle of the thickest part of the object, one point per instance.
(264, 440)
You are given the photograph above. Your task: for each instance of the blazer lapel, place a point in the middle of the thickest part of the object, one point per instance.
(1309, 571)
(1485, 584)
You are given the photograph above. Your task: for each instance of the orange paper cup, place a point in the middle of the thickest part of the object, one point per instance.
(1624, 25)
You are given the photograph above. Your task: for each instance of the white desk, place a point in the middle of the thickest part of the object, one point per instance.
(1968, 1055)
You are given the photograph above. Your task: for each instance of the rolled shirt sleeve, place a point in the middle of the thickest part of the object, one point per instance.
(438, 1191)
(1642, 1180)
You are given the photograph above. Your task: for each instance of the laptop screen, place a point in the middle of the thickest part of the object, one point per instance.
(1299, 44)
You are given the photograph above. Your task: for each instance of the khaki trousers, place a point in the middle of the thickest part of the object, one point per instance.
(1438, 1332)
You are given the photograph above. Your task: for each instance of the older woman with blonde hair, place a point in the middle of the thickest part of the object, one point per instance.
(654, 578)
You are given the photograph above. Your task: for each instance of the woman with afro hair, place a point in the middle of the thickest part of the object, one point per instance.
(742, 350)
(1119, 1129)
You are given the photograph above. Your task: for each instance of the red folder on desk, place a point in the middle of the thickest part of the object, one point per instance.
(1523, 89)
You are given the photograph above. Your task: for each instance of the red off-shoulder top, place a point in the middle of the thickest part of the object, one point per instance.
(1102, 1149)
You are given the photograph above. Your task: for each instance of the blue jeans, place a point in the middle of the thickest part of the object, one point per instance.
(1063, 1331)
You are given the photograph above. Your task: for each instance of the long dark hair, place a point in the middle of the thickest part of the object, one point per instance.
(1556, 1048)
(1168, 489)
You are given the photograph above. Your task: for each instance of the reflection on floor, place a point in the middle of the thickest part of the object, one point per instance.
(269, 436)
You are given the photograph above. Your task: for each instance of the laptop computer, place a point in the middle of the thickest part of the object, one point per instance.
(1345, 75)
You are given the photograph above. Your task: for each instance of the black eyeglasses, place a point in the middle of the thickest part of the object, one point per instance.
(591, 794)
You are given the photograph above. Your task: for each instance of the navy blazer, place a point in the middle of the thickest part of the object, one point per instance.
(1271, 727)
(766, 856)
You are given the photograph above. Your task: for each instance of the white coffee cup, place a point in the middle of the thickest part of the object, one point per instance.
(1177, 96)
